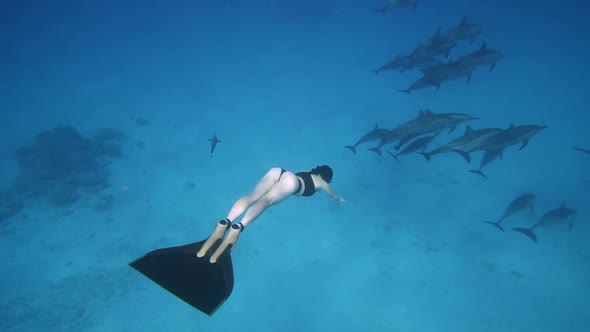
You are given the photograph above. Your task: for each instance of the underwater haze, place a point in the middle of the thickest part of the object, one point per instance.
(434, 117)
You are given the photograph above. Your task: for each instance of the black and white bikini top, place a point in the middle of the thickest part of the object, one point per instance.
(308, 182)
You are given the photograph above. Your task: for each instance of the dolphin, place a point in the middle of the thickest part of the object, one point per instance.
(406, 62)
(423, 62)
(375, 134)
(401, 63)
(417, 145)
(430, 50)
(398, 132)
(402, 130)
(457, 116)
(391, 4)
(214, 142)
(434, 123)
(425, 123)
(466, 142)
(523, 202)
(394, 135)
(554, 216)
(465, 30)
(511, 136)
(582, 150)
(483, 56)
(434, 45)
(487, 158)
(422, 83)
(444, 72)
(450, 70)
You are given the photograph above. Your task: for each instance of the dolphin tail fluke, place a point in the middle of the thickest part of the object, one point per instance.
(376, 150)
(479, 172)
(426, 155)
(465, 155)
(405, 91)
(351, 148)
(528, 232)
(394, 156)
(495, 224)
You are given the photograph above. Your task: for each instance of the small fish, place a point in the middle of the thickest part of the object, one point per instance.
(140, 121)
(214, 142)
(582, 150)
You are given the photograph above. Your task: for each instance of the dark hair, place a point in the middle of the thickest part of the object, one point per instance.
(324, 171)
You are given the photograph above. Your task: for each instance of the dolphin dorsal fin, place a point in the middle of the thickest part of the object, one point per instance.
(511, 126)
(464, 20)
(420, 114)
(468, 130)
(484, 46)
(563, 205)
(427, 111)
(376, 126)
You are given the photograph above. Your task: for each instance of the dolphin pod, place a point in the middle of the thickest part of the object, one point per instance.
(416, 134)
(424, 56)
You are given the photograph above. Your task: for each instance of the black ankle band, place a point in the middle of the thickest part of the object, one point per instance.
(238, 226)
(226, 222)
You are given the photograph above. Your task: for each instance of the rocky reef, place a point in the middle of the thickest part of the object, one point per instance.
(61, 167)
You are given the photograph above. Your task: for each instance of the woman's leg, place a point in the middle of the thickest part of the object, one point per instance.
(268, 192)
(263, 186)
(278, 193)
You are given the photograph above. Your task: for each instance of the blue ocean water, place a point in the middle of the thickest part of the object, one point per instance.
(287, 84)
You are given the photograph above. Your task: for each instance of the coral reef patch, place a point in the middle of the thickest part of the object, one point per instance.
(61, 167)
